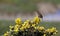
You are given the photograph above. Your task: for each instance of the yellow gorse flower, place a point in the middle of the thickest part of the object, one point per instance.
(40, 28)
(16, 30)
(11, 27)
(16, 26)
(44, 35)
(26, 24)
(6, 34)
(22, 28)
(36, 20)
(48, 30)
(18, 21)
(33, 25)
(29, 26)
(52, 30)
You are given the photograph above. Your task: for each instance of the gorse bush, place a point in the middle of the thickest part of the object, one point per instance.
(29, 28)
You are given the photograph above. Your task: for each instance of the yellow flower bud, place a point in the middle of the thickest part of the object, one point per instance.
(6, 34)
(16, 30)
(36, 20)
(18, 21)
(11, 28)
(44, 35)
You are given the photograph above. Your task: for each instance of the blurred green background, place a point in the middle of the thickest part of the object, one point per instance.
(26, 5)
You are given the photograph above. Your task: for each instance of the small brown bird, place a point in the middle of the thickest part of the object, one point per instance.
(39, 14)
